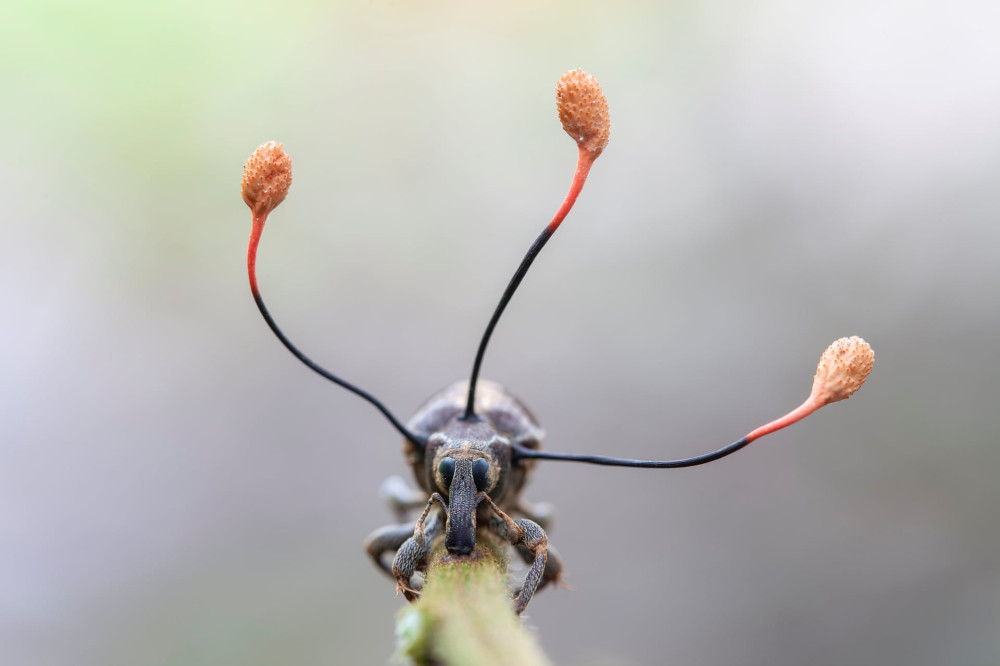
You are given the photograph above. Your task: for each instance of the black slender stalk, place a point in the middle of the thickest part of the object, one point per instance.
(536, 247)
(521, 452)
(417, 440)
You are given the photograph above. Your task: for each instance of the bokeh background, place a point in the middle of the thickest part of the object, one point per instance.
(176, 489)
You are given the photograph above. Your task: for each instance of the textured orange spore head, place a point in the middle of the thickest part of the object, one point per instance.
(266, 178)
(583, 110)
(842, 370)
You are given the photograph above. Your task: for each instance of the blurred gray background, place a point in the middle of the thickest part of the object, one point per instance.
(176, 489)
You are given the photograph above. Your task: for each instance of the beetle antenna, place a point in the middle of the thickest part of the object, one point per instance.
(842, 370)
(583, 111)
(266, 179)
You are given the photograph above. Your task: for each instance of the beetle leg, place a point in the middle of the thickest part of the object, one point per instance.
(418, 529)
(401, 497)
(553, 566)
(534, 539)
(412, 555)
(385, 539)
(527, 533)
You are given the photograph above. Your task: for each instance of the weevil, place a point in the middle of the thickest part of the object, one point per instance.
(472, 446)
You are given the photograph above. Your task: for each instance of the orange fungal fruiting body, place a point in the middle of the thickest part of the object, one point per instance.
(266, 178)
(842, 370)
(583, 110)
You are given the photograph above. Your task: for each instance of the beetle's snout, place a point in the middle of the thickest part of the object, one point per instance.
(460, 543)
(460, 533)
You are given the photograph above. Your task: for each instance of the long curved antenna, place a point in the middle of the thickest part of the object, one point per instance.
(583, 111)
(842, 370)
(266, 179)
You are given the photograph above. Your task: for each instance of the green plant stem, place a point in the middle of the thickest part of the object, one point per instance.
(465, 616)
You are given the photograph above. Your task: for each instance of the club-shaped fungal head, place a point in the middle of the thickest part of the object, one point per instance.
(583, 111)
(842, 370)
(267, 176)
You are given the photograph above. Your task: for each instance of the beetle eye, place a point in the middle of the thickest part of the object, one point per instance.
(446, 469)
(480, 469)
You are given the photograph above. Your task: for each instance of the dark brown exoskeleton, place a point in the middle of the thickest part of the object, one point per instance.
(472, 480)
(473, 445)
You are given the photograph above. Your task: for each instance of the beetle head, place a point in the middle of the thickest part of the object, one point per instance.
(468, 459)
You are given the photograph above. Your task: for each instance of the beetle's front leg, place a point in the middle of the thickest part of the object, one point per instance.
(527, 533)
(553, 566)
(384, 540)
(412, 555)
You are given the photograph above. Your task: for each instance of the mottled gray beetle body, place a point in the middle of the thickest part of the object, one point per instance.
(471, 482)
(499, 413)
